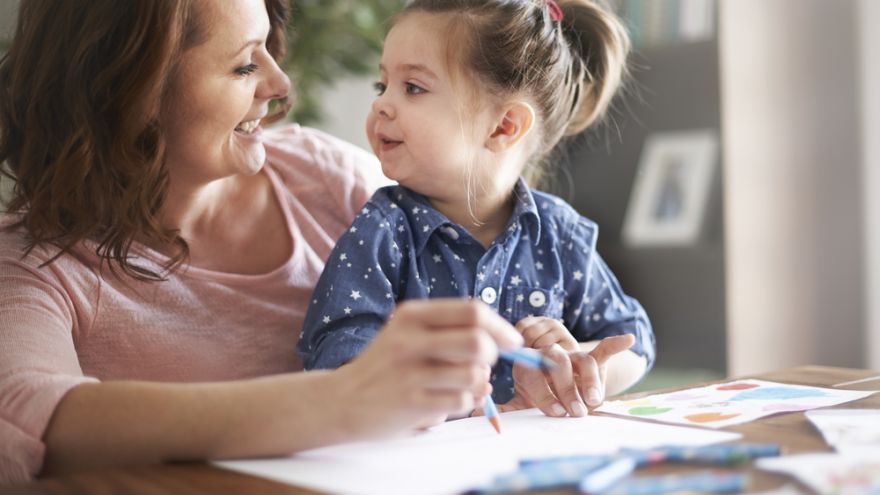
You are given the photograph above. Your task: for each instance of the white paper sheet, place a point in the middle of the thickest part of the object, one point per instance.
(831, 473)
(726, 404)
(848, 430)
(465, 454)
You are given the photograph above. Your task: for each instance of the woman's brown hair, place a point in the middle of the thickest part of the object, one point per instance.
(81, 91)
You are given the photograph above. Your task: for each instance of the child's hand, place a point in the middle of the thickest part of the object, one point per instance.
(540, 332)
(578, 380)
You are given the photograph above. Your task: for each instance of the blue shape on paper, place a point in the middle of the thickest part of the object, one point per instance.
(778, 393)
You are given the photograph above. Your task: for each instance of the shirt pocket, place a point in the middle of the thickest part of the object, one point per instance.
(533, 301)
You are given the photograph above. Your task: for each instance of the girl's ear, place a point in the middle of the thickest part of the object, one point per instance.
(515, 124)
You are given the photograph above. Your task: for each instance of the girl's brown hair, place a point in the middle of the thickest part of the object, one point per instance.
(570, 69)
(81, 91)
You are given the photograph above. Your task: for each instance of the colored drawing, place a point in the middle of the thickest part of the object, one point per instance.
(737, 386)
(778, 393)
(730, 403)
(648, 411)
(709, 417)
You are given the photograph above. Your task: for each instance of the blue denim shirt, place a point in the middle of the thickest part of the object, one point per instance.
(399, 248)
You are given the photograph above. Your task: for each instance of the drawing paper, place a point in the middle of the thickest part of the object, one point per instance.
(830, 473)
(848, 430)
(730, 403)
(459, 455)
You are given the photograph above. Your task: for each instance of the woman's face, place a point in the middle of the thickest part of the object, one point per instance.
(219, 94)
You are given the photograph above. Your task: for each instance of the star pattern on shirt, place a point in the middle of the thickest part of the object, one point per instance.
(546, 262)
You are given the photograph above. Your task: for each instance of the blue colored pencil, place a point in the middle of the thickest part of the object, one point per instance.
(491, 413)
(528, 357)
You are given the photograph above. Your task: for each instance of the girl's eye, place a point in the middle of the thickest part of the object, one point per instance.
(246, 70)
(412, 89)
(379, 88)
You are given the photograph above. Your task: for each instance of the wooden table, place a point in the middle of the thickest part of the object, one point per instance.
(792, 431)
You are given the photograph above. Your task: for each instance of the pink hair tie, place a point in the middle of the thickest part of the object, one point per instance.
(555, 11)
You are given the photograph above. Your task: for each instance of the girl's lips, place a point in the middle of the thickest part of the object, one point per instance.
(388, 145)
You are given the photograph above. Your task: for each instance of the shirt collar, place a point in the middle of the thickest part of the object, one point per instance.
(424, 219)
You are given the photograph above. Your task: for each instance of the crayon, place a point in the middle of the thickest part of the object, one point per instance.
(491, 413)
(552, 474)
(704, 482)
(601, 479)
(528, 357)
(721, 454)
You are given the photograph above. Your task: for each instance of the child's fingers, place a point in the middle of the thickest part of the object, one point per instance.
(589, 377)
(610, 346)
(547, 339)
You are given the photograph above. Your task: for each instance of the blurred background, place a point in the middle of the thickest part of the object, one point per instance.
(736, 185)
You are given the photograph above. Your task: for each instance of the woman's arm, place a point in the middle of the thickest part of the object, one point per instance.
(126, 423)
(428, 362)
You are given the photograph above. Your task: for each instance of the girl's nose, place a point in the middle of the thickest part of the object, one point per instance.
(382, 107)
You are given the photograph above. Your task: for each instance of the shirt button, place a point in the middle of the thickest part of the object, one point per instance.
(451, 232)
(488, 295)
(537, 299)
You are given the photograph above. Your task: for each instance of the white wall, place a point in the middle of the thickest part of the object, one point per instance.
(793, 211)
(346, 106)
(869, 16)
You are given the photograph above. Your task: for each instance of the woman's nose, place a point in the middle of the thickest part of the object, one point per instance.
(277, 84)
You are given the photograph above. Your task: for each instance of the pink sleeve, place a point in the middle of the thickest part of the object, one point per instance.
(38, 364)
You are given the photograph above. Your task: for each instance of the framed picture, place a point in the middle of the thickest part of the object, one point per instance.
(671, 190)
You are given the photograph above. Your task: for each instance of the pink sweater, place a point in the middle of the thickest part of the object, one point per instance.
(65, 324)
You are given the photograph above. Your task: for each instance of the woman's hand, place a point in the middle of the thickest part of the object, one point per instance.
(429, 361)
(540, 332)
(578, 380)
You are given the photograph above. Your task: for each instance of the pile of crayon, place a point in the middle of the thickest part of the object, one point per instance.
(610, 474)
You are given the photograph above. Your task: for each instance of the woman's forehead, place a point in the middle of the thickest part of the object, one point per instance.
(232, 22)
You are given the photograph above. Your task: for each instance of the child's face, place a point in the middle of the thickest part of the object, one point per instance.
(426, 133)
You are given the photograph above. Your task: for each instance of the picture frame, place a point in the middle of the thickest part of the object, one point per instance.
(671, 190)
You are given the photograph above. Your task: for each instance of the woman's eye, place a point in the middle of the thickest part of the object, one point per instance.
(246, 70)
(379, 88)
(412, 89)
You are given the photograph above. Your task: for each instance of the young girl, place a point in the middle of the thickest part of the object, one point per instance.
(473, 95)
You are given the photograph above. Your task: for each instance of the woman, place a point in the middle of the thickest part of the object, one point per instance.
(161, 245)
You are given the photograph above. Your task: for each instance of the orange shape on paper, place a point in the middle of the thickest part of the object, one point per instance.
(737, 386)
(709, 417)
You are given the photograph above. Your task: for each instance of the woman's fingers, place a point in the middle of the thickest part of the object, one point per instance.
(448, 314)
(454, 347)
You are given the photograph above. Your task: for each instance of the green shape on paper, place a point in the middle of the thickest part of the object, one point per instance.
(648, 410)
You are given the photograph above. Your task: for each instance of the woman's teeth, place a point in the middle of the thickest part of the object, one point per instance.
(248, 127)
